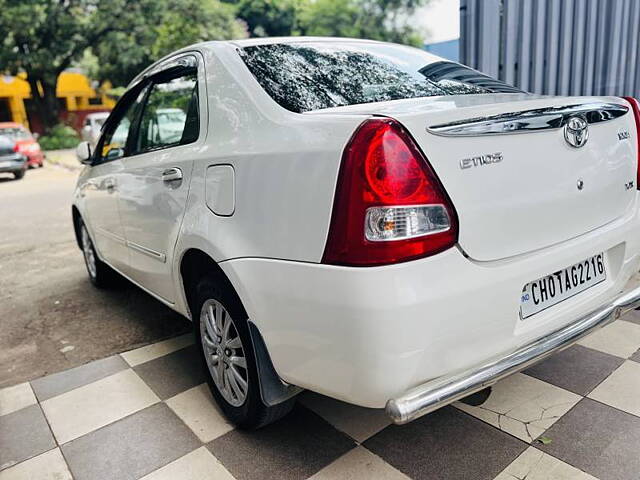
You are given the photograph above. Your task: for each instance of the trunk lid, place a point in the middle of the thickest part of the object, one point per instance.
(519, 192)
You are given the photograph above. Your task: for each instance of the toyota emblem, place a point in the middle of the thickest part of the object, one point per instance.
(576, 132)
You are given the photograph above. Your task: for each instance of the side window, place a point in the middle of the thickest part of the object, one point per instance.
(114, 141)
(170, 116)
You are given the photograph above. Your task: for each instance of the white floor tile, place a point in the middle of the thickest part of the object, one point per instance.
(523, 406)
(621, 389)
(198, 410)
(47, 466)
(15, 398)
(155, 350)
(359, 464)
(197, 465)
(358, 422)
(621, 338)
(533, 464)
(97, 404)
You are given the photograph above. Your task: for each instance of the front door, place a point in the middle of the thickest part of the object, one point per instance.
(100, 191)
(153, 186)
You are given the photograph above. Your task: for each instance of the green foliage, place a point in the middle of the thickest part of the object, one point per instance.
(44, 37)
(192, 21)
(174, 24)
(115, 39)
(388, 20)
(59, 136)
(269, 18)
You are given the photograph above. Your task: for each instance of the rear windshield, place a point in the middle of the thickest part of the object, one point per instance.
(312, 76)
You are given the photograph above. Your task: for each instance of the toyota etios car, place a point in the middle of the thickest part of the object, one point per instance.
(362, 219)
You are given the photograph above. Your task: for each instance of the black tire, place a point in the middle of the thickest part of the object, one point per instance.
(18, 174)
(102, 276)
(253, 413)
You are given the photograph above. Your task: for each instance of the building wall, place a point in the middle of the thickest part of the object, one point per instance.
(555, 47)
(448, 49)
(76, 96)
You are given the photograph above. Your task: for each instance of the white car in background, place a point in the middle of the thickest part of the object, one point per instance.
(91, 127)
(362, 219)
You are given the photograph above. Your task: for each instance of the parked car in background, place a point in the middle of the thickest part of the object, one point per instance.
(362, 219)
(25, 142)
(91, 127)
(11, 161)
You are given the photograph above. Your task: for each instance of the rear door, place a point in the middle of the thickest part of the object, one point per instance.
(154, 182)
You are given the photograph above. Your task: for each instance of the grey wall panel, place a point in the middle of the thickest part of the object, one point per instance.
(556, 47)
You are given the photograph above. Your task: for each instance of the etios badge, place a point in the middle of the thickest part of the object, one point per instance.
(576, 132)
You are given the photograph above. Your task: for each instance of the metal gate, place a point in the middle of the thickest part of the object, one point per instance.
(555, 47)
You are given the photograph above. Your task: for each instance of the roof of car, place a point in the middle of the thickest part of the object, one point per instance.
(252, 42)
(249, 42)
(98, 115)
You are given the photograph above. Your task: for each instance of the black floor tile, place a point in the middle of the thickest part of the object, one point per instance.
(446, 444)
(296, 447)
(577, 369)
(131, 447)
(174, 373)
(598, 439)
(23, 434)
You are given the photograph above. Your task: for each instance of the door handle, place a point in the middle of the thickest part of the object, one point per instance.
(171, 175)
(110, 185)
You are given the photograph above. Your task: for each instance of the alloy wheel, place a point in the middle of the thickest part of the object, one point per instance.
(89, 254)
(224, 352)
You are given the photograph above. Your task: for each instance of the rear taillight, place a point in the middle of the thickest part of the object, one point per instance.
(635, 106)
(389, 205)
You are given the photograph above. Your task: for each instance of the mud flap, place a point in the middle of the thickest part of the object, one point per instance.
(272, 389)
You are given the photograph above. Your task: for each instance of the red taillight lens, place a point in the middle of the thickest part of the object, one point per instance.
(389, 206)
(635, 107)
(16, 148)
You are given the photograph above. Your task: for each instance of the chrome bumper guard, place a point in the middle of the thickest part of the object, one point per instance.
(442, 391)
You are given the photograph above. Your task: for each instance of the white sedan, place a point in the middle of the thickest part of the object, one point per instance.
(362, 219)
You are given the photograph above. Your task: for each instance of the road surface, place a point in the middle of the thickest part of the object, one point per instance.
(51, 317)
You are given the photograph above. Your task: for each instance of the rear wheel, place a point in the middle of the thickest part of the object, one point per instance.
(100, 274)
(18, 174)
(223, 337)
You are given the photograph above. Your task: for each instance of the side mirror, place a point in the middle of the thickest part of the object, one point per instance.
(83, 152)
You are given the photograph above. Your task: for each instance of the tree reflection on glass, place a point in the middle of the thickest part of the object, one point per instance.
(311, 76)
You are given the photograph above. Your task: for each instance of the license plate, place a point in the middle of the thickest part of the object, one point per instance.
(5, 164)
(558, 286)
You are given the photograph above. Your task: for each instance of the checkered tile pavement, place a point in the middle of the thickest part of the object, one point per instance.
(147, 414)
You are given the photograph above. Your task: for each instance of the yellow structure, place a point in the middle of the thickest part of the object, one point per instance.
(73, 88)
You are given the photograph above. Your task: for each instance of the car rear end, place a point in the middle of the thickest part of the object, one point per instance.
(24, 143)
(11, 161)
(472, 233)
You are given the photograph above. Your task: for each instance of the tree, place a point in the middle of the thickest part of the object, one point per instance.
(192, 21)
(44, 37)
(268, 18)
(123, 54)
(387, 20)
(376, 19)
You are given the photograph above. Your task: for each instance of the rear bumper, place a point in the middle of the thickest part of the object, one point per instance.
(430, 396)
(12, 165)
(367, 335)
